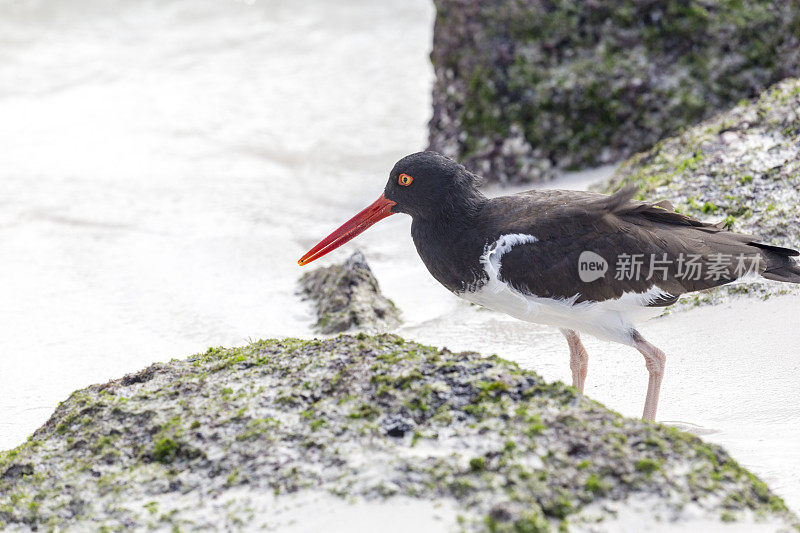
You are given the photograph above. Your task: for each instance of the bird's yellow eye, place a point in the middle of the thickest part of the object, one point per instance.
(405, 180)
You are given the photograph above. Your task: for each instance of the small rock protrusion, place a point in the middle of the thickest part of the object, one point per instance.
(397, 426)
(347, 296)
(17, 471)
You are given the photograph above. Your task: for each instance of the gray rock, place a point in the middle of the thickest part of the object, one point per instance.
(18, 470)
(228, 439)
(523, 87)
(347, 296)
(742, 165)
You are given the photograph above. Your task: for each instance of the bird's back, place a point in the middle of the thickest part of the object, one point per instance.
(643, 246)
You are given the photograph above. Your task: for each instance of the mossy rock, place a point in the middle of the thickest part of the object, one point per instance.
(347, 296)
(741, 166)
(225, 439)
(523, 87)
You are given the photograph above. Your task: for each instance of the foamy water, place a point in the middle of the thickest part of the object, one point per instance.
(164, 165)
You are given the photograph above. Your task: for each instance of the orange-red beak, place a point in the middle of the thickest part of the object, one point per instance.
(379, 210)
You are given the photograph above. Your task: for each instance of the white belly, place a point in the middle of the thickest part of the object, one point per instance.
(612, 320)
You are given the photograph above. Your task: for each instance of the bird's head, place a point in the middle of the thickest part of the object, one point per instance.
(423, 185)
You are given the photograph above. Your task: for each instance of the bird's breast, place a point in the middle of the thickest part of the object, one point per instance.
(453, 257)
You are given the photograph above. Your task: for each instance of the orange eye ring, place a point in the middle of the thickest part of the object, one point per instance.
(405, 180)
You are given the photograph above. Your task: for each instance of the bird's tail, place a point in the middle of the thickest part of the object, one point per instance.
(779, 265)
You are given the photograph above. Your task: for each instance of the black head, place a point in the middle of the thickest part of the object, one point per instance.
(425, 184)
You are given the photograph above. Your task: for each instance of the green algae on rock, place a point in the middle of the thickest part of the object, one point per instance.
(742, 166)
(220, 440)
(347, 296)
(523, 86)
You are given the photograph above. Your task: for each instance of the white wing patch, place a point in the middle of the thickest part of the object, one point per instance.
(610, 319)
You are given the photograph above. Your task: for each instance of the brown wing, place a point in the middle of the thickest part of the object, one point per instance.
(643, 245)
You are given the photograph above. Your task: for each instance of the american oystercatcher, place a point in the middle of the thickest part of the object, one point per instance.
(583, 262)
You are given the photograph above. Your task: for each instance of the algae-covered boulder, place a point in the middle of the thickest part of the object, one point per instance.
(290, 433)
(523, 86)
(347, 296)
(742, 165)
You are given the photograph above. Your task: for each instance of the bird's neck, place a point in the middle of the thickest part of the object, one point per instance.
(449, 244)
(460, 210)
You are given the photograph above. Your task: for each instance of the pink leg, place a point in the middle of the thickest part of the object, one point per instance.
(654, 359)
(578, 358)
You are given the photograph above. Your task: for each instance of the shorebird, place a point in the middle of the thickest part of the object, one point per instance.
(583, 262)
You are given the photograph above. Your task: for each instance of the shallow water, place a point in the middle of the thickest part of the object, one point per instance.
(170, 161)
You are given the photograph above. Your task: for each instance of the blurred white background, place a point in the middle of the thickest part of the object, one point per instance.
(163, 164)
